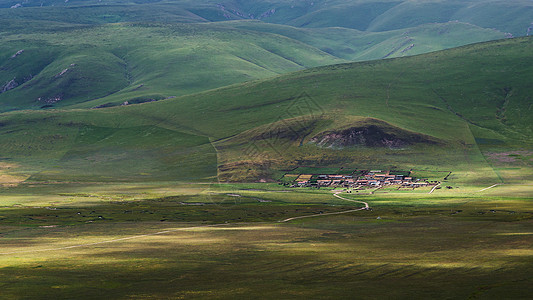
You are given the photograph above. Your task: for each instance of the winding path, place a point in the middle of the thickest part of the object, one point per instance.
(366, 207)
(434, 188)
(494, 185)
(333, 213)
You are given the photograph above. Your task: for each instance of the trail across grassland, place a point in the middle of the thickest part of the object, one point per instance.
(333, 213)
(434, 188)
(366, 207)
(494, 185)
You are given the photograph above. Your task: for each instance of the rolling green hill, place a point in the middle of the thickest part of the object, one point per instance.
(447, 110)
(85, 54)
(149, 148)
(62, 65)
(357, 45)
(139, 62)
(366, 15)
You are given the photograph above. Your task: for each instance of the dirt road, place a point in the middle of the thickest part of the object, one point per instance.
(494, 185)
(334, 213)
(434, 188)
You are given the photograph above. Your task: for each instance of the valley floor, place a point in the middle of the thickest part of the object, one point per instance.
(226, 241)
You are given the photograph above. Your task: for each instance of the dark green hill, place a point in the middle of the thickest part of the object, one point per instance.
(449, 109)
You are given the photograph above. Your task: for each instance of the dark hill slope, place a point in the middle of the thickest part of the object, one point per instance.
(443, 103)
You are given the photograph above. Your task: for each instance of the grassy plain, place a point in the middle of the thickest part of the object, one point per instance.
(122, 228)
(220, 241)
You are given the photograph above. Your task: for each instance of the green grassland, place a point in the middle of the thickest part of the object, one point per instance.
(358, 45)
(145, 244)
(364, 15)
(436, 107)
(152, 219)
(63, 65)
(89, 54)
(140, 62)
(150, 200)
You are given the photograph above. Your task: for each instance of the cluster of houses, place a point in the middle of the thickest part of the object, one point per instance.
(372, 178)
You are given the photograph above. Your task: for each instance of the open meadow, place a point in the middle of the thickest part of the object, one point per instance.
(226, 241)
(309, 149)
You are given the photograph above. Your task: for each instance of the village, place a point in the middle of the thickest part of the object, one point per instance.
(360, 180)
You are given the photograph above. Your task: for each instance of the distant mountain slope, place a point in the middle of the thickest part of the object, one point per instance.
(100, 65)
(440, 110)
(473, 80)
(84, 54)
(359, 45)
(366, 15)
(137, 62)
(508, 16)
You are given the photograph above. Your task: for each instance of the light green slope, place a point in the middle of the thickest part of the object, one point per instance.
(390, 89)
(51, 147)
(441, 104)
(91, 66)
(136, 63)
(357, 45)
(366, 15)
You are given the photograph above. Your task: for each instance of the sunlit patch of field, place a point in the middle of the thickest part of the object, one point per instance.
(517, 233)
(86, 194)
(8, 178)
(517, 252)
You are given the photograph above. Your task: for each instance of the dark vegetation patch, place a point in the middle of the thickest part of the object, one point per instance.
(484, 141)
(212, 209)
(373, 134)
(509, 156)
(294, 130)
(245, 171)
(105, 105)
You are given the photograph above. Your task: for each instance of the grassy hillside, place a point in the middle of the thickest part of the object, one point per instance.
(53, 149)
(357, 45)
(461, 107)
(85, 53)
(61, 65)
(366, 15)
(400, 90)
(139, 62)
